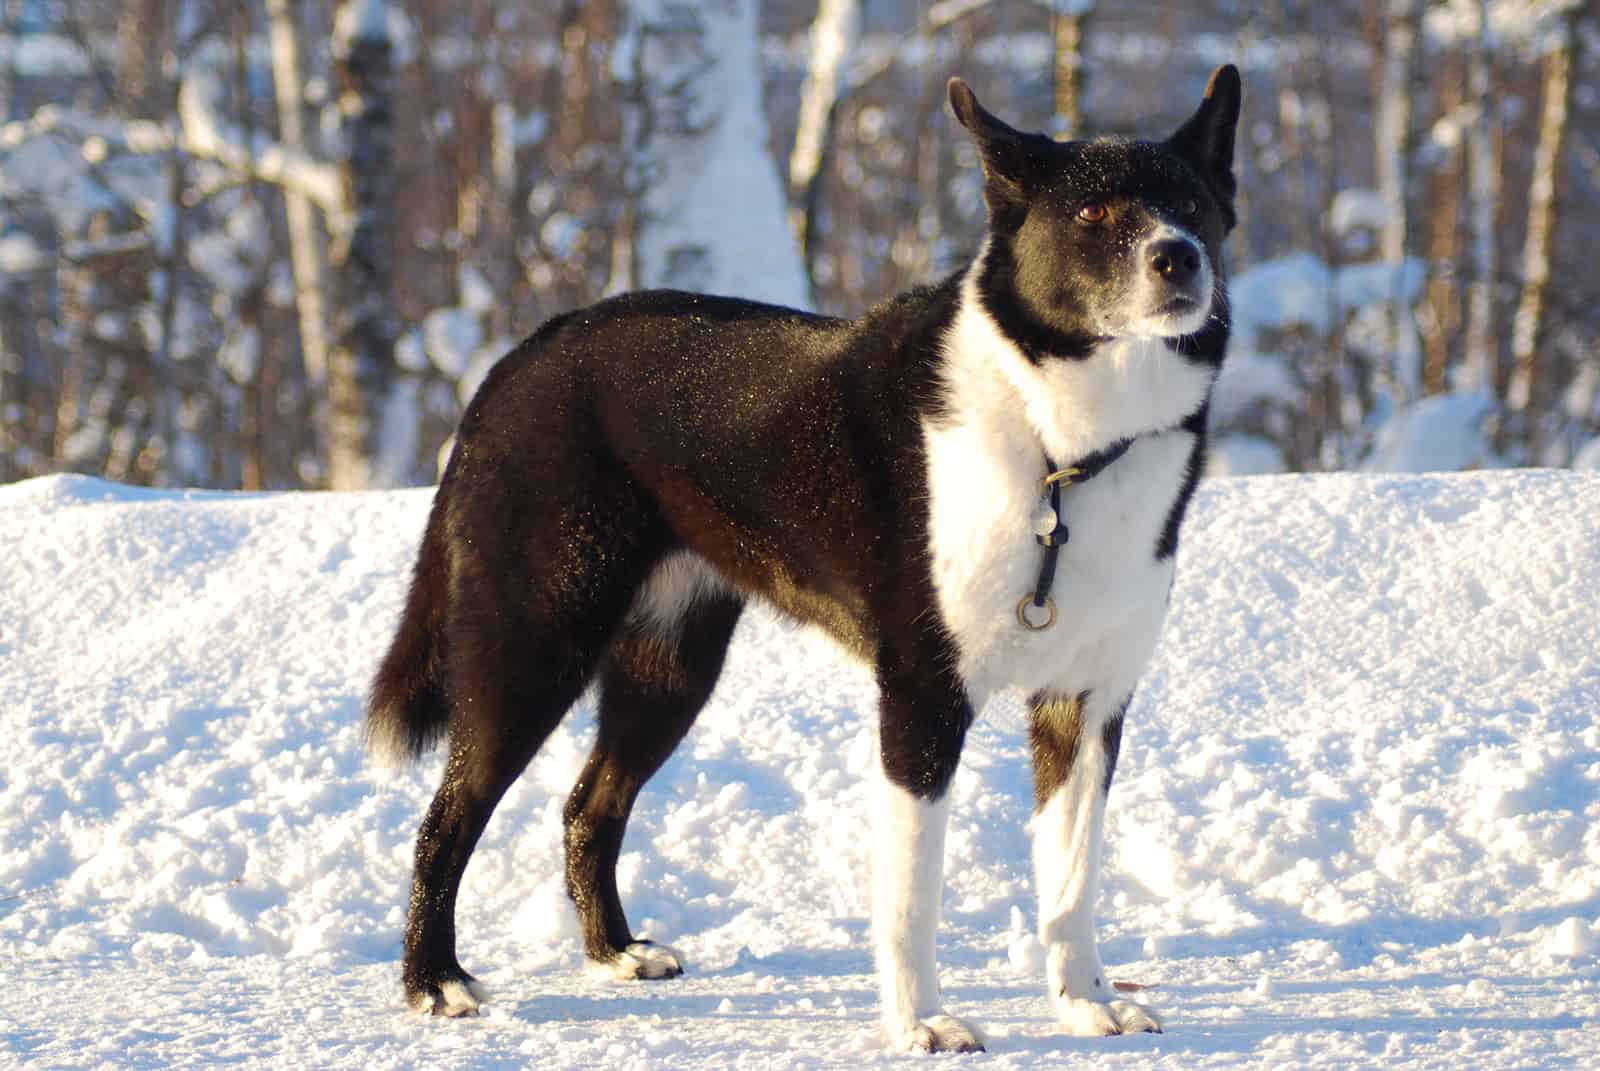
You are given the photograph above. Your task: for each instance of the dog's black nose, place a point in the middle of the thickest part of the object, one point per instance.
(1174, 259)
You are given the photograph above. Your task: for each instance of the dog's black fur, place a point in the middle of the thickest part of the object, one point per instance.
(784, 449)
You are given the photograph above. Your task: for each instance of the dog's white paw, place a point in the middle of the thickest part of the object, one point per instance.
(453, 999)
(1093, 1018)
(643, 960)
(940, 1033)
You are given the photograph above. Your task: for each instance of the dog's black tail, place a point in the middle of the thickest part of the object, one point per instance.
(406, 709)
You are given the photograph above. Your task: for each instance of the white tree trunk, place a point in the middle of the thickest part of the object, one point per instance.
(1526, 327)
(1392, 135)
(305, 247)
(1483, 195)
(367, 433)
(834, 36)
(711, 212)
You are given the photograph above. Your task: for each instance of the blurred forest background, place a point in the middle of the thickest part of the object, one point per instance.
(276, 243)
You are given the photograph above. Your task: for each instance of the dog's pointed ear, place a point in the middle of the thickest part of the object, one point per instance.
(1207, 138)
(1003, 150)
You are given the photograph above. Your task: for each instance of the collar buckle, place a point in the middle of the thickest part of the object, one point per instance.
(1063, 477)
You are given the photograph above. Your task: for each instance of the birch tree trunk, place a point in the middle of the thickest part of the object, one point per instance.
(711, 210)
(1392, 145)
(1443, 311)
(1527, 389)
(305, 247)
(1482, 371)
(834, 36)
(361, 370)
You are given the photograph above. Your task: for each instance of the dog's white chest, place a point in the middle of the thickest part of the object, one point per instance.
(986, 465)
(1110, 589)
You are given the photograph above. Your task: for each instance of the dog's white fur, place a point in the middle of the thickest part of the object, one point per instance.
(457, 999)
(986, 460)
(640, 960)
(907, 880)
(676, 584)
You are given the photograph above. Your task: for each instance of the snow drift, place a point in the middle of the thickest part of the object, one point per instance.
(1355, 822)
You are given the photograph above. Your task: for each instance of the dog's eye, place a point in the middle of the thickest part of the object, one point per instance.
(1093, 212)
(1189, 207)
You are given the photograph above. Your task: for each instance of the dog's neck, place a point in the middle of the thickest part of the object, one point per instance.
(1072, 408)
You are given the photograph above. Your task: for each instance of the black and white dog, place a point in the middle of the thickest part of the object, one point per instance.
(977, 486)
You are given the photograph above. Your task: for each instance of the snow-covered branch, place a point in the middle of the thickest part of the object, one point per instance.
(206, 134)
(203, 134)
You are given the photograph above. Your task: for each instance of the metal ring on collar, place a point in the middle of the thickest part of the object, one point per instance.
(1022, 613)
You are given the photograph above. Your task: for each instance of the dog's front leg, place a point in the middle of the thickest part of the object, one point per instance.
(920, 734)
(1075, 743)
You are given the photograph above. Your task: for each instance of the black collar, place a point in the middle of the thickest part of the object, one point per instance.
(1085, 469)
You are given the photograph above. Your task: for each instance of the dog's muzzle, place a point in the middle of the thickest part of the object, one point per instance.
(1175, 285)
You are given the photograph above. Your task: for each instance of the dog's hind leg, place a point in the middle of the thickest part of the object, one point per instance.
(500, 724)
(532, 610)
(653, 682)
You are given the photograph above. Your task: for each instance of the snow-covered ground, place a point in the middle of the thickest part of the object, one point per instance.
(1355, 824)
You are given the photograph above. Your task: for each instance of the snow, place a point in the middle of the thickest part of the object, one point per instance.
(360, 20)
(1588, 456)
(39, 164)
(223, 262)
(20, 253)
(1244, 455)
(477, 296)
(1300, 290)
(1357, 208)
(1509, 20)
(1249, 377)
(410, 353)
(207, 133)
(451, 336)
(399, 435)
(1442, 433)
(240, 353)
(1356, 824)
(44, 55)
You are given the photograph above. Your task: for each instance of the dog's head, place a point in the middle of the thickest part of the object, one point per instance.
(1110, 238)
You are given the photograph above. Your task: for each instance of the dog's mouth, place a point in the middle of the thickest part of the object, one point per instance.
(1152, 307)
(1172, 316)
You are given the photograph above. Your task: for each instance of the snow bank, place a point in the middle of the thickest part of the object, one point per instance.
(1355, 824)
(1441, 433)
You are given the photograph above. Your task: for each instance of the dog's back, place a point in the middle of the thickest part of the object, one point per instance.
(666, 422)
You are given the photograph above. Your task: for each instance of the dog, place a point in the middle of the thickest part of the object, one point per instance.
(977, 486)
